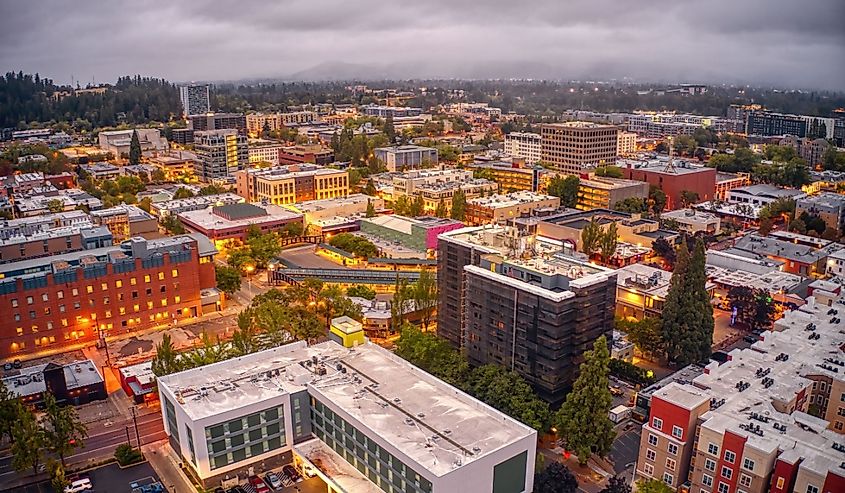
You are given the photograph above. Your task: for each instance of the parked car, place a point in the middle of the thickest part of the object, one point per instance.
(615, 390)
(292, 473)
(751, 339)
(79, 485)
(236, 489)
(273, 481)
(259, 484)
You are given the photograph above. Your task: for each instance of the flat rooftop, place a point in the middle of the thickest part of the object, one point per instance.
(30, 380)
(393, 399)
(208, 220)
(764, 190)
(784, 248)
(497, 201)
(578, 124)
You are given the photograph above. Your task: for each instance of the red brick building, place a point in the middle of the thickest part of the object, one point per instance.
(81, 296)
(681, 177)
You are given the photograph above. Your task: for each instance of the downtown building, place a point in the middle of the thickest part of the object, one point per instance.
(573, 147)
(218, 121)
(401, 158)
(350, 412)
(525, 145)
(289, 184)
(220, 154)
(82, 296)
(195, 99)
(516, 301)
(770, 419)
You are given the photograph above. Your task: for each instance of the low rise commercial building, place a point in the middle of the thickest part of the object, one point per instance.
(830, 207)
(836, 264)
(514, 300)
(263, 151)
(525, 145)
(400, 158)
(390, 111)
(50, 234)
(117, 142)
(746, 424)
(222, 223)
(800, 254)
(631, 229)
(82, 296)
(762, 194)
(125, 221)
(42, 200)
(74, 383)
(435, 186)
(694, 221)
(673, 177)
(501, 208)
(514, 176)
(726, 182)
(336, 215)
(312, 153)
(626, 144)
(641, 291)
(175, 165)
(359, 417)
(200, 202)
(597, 192)
(289, 184)
(101, 171)
(812, 151)
(417, 233)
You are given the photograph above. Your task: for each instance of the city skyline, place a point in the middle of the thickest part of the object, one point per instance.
(752, 42)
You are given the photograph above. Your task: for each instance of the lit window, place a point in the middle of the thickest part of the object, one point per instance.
(14, 302)
(161, 276)
(122, 310)
(149, 305)
(29, 300)
(44, 297)
(104, 286)
(118, 284)
(174, 273)
(60, 295)
(147, 278)
(133, 281)
(657, 423)
(164, 302)
(75, 292)
(19, 331)
(89, 289)
(136, 308)
(177, 299)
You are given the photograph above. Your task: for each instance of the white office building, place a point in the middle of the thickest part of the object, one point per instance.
(525, 145)
(195, 99)
(359, 417)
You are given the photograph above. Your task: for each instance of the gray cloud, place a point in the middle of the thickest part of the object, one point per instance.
(783, 42)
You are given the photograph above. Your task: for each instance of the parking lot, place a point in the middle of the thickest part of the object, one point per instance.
(106, 479)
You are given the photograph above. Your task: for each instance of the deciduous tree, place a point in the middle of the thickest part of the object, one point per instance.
(555, 478)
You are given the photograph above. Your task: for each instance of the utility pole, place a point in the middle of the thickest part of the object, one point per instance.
(137, 435)
(128, 442)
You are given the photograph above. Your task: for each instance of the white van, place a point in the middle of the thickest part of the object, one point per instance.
(79, 485)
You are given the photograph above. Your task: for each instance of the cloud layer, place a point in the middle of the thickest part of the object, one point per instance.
(789, 43)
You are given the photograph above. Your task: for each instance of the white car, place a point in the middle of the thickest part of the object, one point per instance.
(79, 485)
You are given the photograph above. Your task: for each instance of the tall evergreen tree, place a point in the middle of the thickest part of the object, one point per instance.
(28, 441)
(134, 149)
(700, 337)
(608, 241)
(583, 419)
(459, 205)
(675, 307)
(389, 129)
(371, 209)
(591, 237)
(440, 211)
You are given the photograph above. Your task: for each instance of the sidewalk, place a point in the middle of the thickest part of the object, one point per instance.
(165, 463)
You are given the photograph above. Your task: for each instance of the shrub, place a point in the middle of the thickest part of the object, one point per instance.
(126, 454)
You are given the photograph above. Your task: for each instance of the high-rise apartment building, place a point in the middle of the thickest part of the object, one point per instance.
(572, 147)
(220, 153)
(219, 121)
(195, 99)
(517, 301)
(525, 145)
(81, 296)
(288, 184)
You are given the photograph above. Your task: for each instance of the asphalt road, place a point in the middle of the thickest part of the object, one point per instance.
(108, 479)
(99, 445)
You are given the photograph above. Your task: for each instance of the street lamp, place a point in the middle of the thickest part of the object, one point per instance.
(249, 270)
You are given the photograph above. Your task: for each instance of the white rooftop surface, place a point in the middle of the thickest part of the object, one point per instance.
(772, 281)
(323, 204)
(690, 216)
(206, 219)
(398, 223)
(201, 201)
(389, 393)
(498, 201)
(31, 380)
(342, 473)
(686, 396)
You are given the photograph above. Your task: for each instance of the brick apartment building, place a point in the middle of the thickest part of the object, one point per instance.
(80, 296)
(674, 180)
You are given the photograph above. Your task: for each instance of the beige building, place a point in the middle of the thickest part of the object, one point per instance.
(599, 192)
(436, 185)
(573, 147)
(693, 221)
(501, 208)
(626, 144)
(292, 183)
(341, 213)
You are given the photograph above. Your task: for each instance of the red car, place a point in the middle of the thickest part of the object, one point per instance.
(259, 484)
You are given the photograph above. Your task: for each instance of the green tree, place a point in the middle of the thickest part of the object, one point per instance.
(417, 206)
(172, 225)
(228, 279)
(687, 313)
(28, 441)
(182, 193)
(591, 237)
(608, 241)
(583, 419)
(508, 392)
(616, 484)
(433, 354)
(631, 205)
(9, 408)
(653, 486)
(688, 198)
(565, 187)
(440, 211)
(55, 205)
(370, 189)
(609, 171)
(403, 294)
(165, 360)
(58, 480)
(134, 149)
(361, 291)
(646, 334)
(307, 325)
(459, 205)
(371, 209)
(263, 247)
(389, 130)
(158, 176)
(657, 199)
(63, 429)
(425, 296)
(212, 189)
(244, 338)
(555, 478)
(127, 454)
(276, 321)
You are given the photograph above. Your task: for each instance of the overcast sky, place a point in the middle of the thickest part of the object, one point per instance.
(789, 43)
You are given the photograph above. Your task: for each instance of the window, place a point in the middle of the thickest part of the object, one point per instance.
(118, 284)
(727, 472)
(707, 480)
(668, 478)
(670, 464)
(89, 289)
(104, 286)
(44, 297)
(710, 464)
(648, 469)
(748, 464)
(652, 439)
(75, 292)
(677, 431)
(164, 302)
(745, 480)
(650, 454)
(657, 423)
(161, 276)
(174, 273)
(712, 449)
(723, 487)
(812, 488)
(29, 300)
(133, 281)
(177, 299)
(147, 278)
(730, 457)
(673, 449)
(14, 302)
(19, 330)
